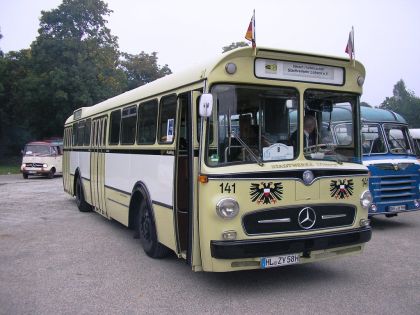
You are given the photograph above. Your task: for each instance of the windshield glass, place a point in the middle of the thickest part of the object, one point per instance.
(37, 150)
(372, 139)
(333, 137)
(251, 124)
(398, 139)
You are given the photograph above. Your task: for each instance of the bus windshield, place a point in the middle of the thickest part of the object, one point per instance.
(395, 139)
(333, 141)
(251, 124)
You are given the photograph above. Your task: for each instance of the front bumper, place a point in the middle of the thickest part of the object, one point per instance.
(290, 245)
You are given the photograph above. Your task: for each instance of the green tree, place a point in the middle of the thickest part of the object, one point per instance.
(142, 68)
(234, 45)
(13, 126)
(74, 63)
(404, 102)
(1, 52)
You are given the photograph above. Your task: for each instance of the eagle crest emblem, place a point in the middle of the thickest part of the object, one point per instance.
(342, 188)
(266, 193)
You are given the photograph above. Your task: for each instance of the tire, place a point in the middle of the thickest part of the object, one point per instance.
(51, 174)
(80, 197)
(25, 176)
(147, 233)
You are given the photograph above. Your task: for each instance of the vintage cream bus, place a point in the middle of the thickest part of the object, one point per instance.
(209, 165)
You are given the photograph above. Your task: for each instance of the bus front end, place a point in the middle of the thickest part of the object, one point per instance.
(275, 189)
(389, 153)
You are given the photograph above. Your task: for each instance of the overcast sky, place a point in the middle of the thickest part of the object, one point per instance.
(387, 32)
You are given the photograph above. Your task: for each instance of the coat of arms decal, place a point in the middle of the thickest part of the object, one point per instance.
(266, 193)
(342, 188)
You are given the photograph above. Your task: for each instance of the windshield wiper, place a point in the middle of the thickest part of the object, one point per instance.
(247, 148)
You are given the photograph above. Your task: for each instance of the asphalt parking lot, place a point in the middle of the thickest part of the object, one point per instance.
(57, 260)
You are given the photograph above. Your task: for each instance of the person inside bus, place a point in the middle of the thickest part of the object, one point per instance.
(309, 130)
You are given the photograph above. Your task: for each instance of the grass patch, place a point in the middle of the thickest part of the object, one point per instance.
(10, 165)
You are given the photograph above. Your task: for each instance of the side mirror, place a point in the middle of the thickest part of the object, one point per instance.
(206, 105)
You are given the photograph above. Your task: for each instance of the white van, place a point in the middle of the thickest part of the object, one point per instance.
(42, 158)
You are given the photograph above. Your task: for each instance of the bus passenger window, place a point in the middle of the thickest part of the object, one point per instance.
(147, 118)
(128, 125)
(114, 132)
(87, 132)
(167, 119)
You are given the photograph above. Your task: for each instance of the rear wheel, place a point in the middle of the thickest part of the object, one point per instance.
(147, 233)
(80, 197)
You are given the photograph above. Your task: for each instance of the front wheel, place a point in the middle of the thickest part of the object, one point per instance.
(80, 197)
(147, 233)
(51, 174)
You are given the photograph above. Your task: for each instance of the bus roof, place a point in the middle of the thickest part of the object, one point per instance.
(199, 73)
(369, 114)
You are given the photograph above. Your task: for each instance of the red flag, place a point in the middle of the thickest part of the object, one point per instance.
(350, 44)
(250, 33)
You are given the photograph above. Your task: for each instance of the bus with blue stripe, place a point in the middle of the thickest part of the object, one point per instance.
(388, 152)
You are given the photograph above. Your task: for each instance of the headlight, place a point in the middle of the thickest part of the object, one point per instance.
(366, 199)
(227, 208)
(44, 165)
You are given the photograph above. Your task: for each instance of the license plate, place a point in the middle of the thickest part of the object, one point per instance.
(397, 208)
(278, 261)
(32, 172)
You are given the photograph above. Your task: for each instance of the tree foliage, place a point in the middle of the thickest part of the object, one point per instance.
(234, 45)
(404, 102)
(74, 61)
(142, 68)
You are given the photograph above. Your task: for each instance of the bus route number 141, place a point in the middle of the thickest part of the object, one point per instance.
(227, 188)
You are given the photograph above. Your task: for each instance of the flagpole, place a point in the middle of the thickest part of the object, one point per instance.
(354, 50)
(255, 37)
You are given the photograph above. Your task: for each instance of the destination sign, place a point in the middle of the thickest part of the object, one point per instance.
(298, 71)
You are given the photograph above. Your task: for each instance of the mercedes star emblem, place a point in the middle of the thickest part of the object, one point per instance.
(306, 218)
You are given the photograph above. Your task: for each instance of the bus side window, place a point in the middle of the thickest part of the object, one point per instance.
(114, 127)
(87, 132)
(128, 125)
(167, 119)
(146, 122)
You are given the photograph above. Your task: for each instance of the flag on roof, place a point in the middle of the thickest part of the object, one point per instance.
(250, 33)
(350, 44)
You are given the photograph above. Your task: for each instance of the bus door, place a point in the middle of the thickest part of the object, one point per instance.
(97, 165)
(185, 179)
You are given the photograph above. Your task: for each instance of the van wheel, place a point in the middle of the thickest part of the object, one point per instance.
(147, 233)
(25, 176)
(80, 197)
(51, 174)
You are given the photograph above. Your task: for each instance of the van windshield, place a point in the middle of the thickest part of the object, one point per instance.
(251, 124)
(32, 149)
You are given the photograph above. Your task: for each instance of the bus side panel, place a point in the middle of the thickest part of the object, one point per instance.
(156, 173)
(165, 226)
(67, 179)
(81, 161)
(117, 204)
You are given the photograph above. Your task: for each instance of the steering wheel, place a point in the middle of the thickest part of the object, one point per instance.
(321, 147)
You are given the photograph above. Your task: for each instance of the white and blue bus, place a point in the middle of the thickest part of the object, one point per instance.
(390, 154)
